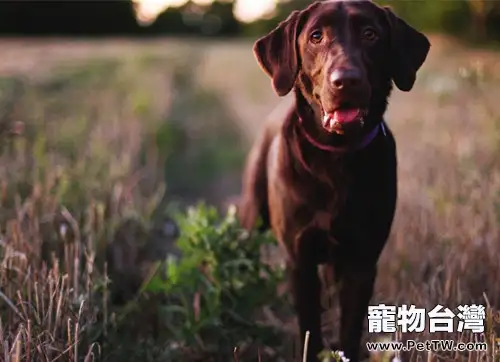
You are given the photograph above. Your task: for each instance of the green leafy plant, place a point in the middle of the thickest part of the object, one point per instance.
(218, 285)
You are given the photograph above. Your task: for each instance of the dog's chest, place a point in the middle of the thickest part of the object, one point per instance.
(339, 198)
(325, 189)
(320, 209)
(315, 198)
(322, 220)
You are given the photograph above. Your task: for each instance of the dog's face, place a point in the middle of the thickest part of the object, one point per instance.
(344, 56)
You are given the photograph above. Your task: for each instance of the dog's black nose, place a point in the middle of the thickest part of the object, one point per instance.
(343, 79)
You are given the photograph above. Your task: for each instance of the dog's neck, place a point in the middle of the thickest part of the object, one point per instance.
(309, 126)
(301, 158)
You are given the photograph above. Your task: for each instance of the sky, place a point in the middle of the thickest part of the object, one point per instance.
(245, 10)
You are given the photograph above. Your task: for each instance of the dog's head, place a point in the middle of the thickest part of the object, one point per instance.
(343, 56)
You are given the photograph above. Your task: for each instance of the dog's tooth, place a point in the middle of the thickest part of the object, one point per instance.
(326, 119)
(332, 124)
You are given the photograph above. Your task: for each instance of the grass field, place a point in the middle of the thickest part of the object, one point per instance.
(91, 132)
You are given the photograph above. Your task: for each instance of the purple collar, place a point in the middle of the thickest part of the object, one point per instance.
(364, 142)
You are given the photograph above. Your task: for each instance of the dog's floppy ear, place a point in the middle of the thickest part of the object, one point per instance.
(409, 49)
(277, 53)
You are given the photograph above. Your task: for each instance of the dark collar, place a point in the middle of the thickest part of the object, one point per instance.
(343, 149)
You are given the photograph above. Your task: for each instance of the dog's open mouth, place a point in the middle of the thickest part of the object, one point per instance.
(335, 121)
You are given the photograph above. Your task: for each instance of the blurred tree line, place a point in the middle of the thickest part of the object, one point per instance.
(472, 19)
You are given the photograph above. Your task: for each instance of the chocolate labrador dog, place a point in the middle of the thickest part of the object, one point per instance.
(324, 179)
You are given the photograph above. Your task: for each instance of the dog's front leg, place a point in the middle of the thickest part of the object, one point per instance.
(306, 289)
(355, 294)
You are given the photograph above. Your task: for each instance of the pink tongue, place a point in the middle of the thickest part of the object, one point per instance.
(345, 115)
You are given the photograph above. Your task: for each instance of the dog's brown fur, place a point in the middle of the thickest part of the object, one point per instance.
(328, 207)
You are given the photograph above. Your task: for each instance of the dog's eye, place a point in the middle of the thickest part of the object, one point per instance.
(369, 34)
(316, 36)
